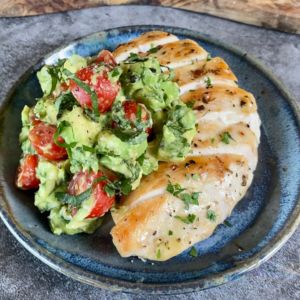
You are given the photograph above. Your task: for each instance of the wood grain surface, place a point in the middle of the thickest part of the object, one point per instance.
(282, 15)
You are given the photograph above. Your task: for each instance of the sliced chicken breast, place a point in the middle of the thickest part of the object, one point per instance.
(151, 222)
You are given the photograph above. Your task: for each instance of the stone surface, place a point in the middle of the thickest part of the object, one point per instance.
(24, 40)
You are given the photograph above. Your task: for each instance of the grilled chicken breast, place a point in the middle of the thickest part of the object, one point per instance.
(151, 222)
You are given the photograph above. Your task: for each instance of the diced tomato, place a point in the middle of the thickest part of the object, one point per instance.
(41, 138)
(26, 175)
(131, 112)
(105, 90)
(102, 201)
(106, 57)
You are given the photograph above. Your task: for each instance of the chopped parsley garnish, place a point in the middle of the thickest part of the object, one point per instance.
(208, 58)
(65, 101)
(191, 103)
(170, 232)
(154, 49)
(190, 199)
(189, 219)
(226, 137)
(158, 254)
(177, 190)
(174, 189)
(115, 72)
(211, 215)
(208, 82)
(74, 201)
(193, 252)
(133, 58)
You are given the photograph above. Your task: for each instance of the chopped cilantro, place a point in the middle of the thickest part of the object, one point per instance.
(208, 82)
(208, 58)
(174, 189)
(154, 49)
(170, 232)
(191, 103)
(211, 215)
(189, 219)
(193, 252)
(115, 72)
(158, 254)
(226, 137)
(177, 190)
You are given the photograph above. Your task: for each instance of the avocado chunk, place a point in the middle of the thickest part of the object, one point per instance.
(23, 137)
(61, 220)
(110, 144)
(148, 163)
(84, 131)
(46, 110)
(83, 160)
(143, 80)
(177, 134)
(51, 176)
(74, 63)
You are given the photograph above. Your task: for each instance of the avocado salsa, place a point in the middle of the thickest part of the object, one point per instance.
(96, 131)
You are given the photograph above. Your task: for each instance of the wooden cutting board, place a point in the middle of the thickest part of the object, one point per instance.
(283, 15)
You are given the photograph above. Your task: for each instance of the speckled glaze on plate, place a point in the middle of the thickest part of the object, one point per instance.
(261, 223)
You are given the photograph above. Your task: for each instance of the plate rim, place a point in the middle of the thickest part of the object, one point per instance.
(113, 284)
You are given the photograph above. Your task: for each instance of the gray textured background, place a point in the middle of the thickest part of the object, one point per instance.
(24, 40)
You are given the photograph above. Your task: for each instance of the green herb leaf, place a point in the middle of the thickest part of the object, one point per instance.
(60, 128)
(174, 189)
(177, 190)
(74, 201)
(190, 199)
(226, 137)
(133, 58)
(170, 232)
(89, 149)
(193, 252)
(208, 58)
(158, 254)
(189, 219)
(191, 103)
(154, 49)
(115, 72)
(211, 215)
(208, 82)
(65, 101)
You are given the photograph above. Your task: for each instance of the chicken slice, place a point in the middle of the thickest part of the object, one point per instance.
(229, 105)
(213, 137)
(179, 53)
(143, 43)
(204, 74)
(158, 225)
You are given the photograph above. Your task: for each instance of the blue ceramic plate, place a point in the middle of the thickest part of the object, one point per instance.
(261, 222)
